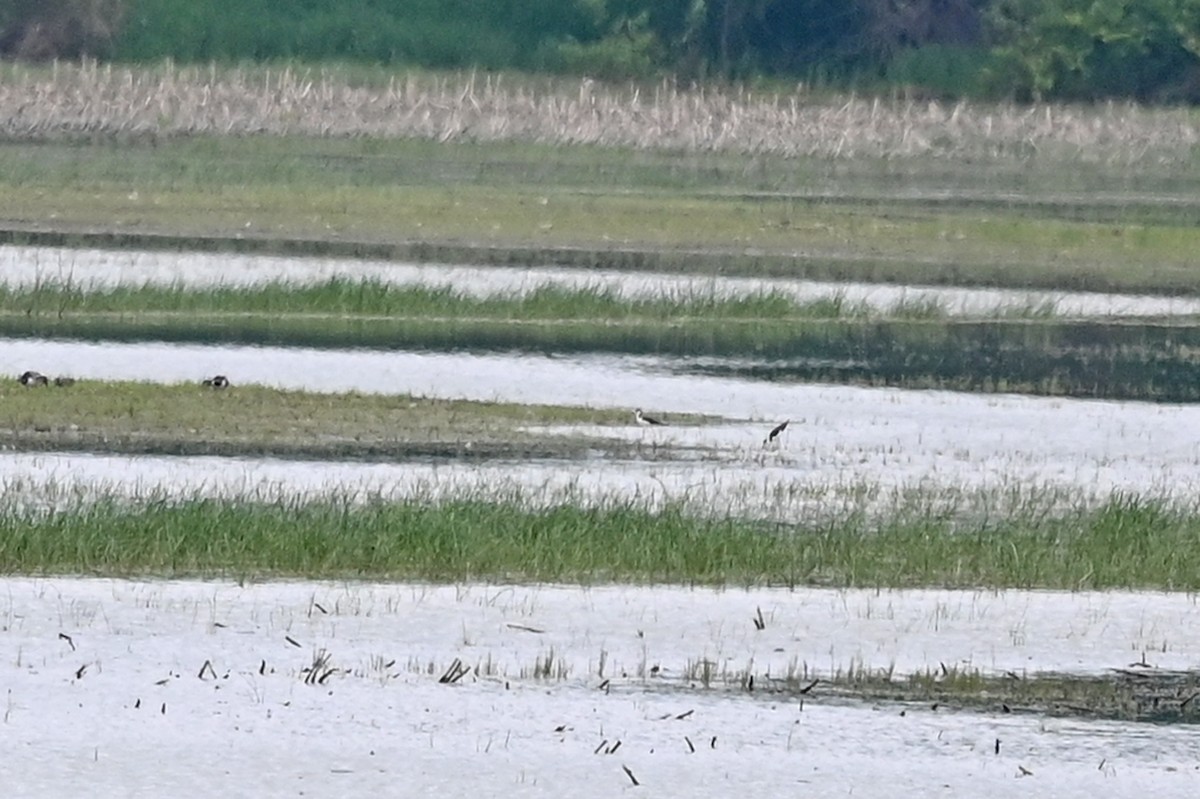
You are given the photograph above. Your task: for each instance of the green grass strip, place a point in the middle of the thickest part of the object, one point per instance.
(370, 297)
(1129, 542)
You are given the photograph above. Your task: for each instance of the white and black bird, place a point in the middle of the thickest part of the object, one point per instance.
(219, 381)
(32, 378)
(646, 421)
(775, 431)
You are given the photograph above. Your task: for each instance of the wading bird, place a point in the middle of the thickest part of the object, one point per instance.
(220, 381)
(646, 421)
(775, 431)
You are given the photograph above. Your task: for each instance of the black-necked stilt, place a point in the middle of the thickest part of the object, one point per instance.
(32, 378)
(646, 421)
(220, 381)
(775, 431)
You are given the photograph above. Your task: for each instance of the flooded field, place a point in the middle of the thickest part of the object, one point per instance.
(27, 266)
(746, 489)
(839, 438)
(316, 688)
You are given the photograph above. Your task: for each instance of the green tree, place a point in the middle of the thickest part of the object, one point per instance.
(1149, 49)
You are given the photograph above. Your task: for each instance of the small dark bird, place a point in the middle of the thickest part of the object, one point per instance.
(219, 381)
(646, 421)
(32, 378)
(64, 381)
(775, 431)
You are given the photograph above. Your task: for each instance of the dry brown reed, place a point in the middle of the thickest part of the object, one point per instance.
(68, 100)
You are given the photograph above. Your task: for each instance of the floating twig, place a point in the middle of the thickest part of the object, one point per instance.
(759, 622)
(207, 668)
(67, 638)
(79, 672)
(629, 773)
(809, 687)
(291, 641)
(689, 743)
(596, 751)
(684, 715)
(524, 628)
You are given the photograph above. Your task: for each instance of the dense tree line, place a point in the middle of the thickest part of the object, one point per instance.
(1088, 49)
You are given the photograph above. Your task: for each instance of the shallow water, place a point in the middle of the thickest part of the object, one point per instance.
(839, 435)
(24, 266)
(57, 480)
(108, 693)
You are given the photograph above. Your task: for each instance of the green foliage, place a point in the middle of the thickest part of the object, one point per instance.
(947, 70)
(630, 51)
(1100, 48)
(1024, 48)
(433, 33)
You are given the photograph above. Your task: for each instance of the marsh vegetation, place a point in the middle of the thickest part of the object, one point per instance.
(499, 170)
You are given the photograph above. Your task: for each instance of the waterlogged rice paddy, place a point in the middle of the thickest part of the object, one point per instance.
(582, 665)
(283, 688)
(23, 267)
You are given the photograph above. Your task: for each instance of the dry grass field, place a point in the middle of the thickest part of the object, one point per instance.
(90, 99)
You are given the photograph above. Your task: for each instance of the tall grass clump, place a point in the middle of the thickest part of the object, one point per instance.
(1127, 542)
(375, 297)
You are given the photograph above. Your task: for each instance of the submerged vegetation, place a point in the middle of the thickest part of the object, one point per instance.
(1128, 542)
(1134, 693)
